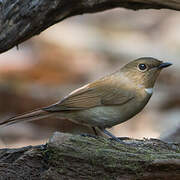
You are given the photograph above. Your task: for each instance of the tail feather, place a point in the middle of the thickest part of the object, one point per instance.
(31, 116)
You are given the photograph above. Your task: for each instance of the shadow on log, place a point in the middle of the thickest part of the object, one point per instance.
(68, 156)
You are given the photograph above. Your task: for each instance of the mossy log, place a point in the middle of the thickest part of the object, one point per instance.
(20, 20)
(68, 156)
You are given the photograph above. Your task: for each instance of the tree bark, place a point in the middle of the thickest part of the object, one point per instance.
(67, 156)
(20, 20)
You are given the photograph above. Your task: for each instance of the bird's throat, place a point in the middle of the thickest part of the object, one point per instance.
(149, 90)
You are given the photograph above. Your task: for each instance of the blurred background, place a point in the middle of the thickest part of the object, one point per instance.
(79, 50)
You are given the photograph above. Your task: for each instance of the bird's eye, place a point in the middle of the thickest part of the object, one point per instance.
(142, 67)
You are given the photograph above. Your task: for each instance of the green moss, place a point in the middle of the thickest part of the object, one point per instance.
(99, 154)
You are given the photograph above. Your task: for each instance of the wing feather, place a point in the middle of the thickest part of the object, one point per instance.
(99, 93)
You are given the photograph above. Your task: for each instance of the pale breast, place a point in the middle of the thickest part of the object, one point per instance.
(108, 116)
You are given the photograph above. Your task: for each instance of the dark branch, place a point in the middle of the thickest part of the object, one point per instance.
(76, 157)
(20, 20)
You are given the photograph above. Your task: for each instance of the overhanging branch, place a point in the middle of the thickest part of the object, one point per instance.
(20, 20)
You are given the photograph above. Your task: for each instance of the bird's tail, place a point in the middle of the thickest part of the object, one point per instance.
(31, 116)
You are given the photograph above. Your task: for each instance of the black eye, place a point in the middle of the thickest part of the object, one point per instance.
(142, 67)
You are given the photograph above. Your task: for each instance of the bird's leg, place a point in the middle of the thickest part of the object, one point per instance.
(91, 135)
(95, 132)
(111, 135)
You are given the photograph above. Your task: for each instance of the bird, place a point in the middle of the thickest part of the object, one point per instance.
(106, 102)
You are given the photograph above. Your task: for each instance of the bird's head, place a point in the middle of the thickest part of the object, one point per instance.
(144, 71)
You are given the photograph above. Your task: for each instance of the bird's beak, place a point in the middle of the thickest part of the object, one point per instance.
(164, 65)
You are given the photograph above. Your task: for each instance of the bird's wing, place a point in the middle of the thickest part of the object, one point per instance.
(99, 93)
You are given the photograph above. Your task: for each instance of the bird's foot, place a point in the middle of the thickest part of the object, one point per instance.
(112, 137)
(89, 135)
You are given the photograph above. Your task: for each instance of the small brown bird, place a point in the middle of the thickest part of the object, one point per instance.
(108, 101)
